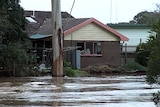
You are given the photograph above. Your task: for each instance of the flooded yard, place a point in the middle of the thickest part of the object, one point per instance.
(109, 91)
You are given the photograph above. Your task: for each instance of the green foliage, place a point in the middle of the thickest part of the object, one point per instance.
(14, 45)
(153, 64)
(142, 17)
(145, 17)
(154, 57)
(142, 54)
(14, 56)
(80, 73)
(12, 21)
(156, 97)
(67, 64)
(68, 71)
(133, 66)
(148, 54)
(143, 50)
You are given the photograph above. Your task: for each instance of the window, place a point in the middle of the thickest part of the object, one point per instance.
(80, 46)
(97, 47)
(90, 48)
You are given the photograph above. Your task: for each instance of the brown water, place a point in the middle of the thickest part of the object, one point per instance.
(109, 91)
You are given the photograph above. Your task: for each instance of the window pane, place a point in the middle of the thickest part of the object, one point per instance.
(97, 47)
(81, 46)
(89, 47)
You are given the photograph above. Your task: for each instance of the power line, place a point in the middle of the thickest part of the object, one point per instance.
(70, 12)
(72, 6)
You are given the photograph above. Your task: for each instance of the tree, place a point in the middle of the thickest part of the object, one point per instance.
(153, 54)
(143, 50)
(14, 45)
(13, 21)
(149, 53)
(145, 17)
(141, 18)
(154, 58)
(142, 54)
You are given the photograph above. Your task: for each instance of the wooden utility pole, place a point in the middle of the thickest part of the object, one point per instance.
(57, 39)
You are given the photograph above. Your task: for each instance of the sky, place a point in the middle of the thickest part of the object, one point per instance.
(106, 11)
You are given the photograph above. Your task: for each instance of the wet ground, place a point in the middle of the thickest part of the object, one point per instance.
(110, 91)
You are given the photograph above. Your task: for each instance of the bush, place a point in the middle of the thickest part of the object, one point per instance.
(153, 72)
(142, 54)
(156, 97)
(67, 64)
(16, 59)
(134, 66)
(68, 71)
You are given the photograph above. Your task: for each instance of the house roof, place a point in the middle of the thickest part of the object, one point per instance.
(41, 16)
(71, 24)
(93, 20)
(40, 36)
(68, 23)
(35, 19)
(128, 26)
(46, 27)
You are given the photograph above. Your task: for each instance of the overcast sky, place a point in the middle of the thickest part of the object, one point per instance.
(105, 11)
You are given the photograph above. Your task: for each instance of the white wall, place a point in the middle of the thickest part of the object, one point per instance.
(135, 36)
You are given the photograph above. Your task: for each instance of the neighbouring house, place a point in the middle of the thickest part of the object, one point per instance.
(35, 19)
(137, 33)
(87, 42)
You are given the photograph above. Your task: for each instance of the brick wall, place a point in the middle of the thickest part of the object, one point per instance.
(111, 53)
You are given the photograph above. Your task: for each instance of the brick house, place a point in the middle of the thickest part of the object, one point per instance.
(87, 42)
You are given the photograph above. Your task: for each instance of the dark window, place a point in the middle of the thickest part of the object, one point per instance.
(89, 48)
(48, 44)
(80, 46)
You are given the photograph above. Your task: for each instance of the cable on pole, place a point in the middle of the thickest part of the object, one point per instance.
(70, 13)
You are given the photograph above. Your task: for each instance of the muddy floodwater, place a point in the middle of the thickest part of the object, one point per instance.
(109, 91)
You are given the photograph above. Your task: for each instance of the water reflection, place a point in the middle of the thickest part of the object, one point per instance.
(58, 81)
(110, 91)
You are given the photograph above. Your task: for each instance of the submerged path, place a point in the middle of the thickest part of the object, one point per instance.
(109, 91)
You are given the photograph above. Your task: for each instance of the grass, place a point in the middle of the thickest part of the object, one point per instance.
(131, 66)
(68, 71)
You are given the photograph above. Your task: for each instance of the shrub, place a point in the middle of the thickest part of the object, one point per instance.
(132, 66)
(68, 71)
(67, 64)
(153, 72)
(16, 59)
(156, 97)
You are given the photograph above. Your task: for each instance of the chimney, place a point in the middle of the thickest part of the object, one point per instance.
(33, 14)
